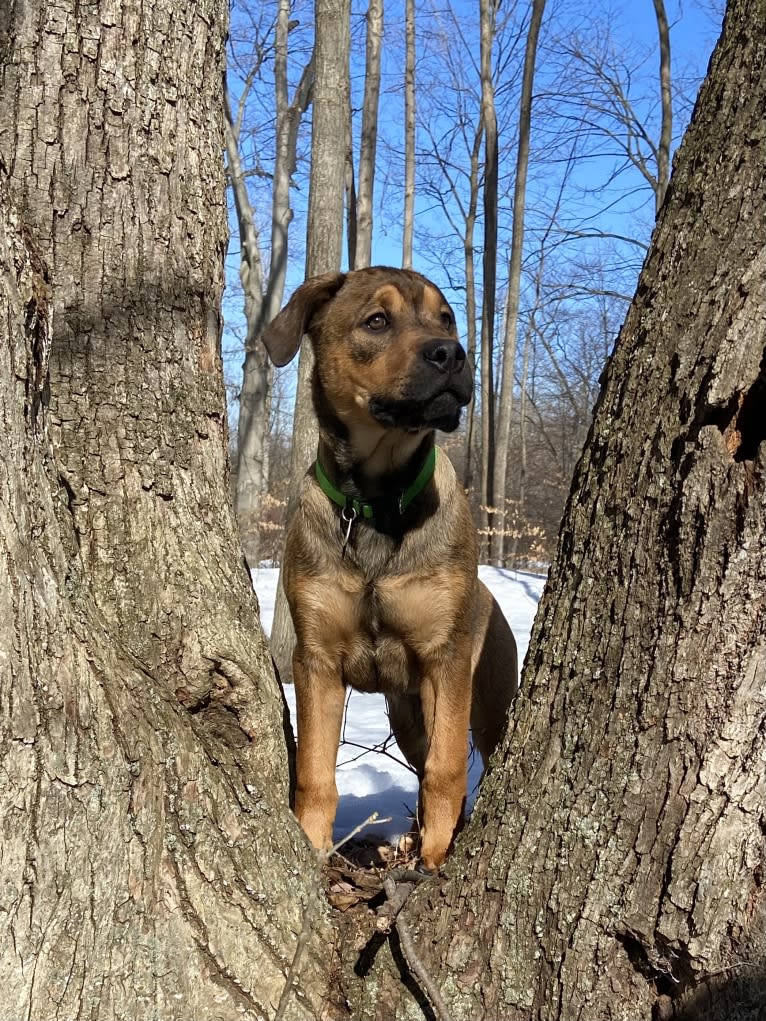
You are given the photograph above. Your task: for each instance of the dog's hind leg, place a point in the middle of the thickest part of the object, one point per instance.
(406, 718)
(495, 675)
(446, 700)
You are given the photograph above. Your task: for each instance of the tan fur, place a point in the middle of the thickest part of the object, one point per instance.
(400, 609)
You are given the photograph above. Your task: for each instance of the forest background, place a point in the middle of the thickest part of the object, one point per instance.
(435, 100)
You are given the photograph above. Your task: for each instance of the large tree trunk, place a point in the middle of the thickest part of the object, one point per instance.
(116, 170)
(142, 730)
(614, 863)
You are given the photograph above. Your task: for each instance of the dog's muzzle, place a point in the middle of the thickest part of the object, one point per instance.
(439, 386)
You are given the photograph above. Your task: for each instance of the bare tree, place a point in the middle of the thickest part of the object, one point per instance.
(666, 101)
(262, 299)
(452, 165)
(408, 226)
(251, 454)
(369, 137)
(510, 332)
(450, 173)
(489, 266)
(601, 107)
(324, 242)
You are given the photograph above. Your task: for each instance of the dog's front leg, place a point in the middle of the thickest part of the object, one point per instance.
(320, 697)
(446, 699)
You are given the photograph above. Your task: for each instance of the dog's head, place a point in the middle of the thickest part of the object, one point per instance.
(386, 348)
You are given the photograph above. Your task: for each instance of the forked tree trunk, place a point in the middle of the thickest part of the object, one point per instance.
(143, 752)
(614, 864)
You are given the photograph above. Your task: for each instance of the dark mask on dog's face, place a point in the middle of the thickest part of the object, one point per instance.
(390, 353)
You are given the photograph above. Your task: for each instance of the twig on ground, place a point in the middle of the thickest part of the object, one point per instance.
(381, 748)
(376, 749)
(397, 895)
(308, 920)
(371, 820)
(309, 913)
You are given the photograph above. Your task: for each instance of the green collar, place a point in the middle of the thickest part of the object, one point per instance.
(359, 509)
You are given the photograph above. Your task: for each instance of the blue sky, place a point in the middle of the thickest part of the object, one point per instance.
(694, 30)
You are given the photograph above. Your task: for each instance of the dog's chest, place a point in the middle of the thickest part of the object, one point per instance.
(380, 655)
(378, 658)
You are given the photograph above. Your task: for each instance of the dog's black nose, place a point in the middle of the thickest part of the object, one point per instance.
(445, 355)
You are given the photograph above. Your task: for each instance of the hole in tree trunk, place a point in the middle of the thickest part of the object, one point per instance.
(751, 420)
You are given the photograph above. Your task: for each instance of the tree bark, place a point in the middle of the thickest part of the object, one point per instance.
(324, 244)
(613, 866)
(470, 299)
(143, 749)
(614, 863)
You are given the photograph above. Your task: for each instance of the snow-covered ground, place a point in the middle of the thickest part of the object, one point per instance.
(372, 774)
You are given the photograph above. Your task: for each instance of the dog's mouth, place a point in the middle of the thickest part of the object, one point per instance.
(439, 411)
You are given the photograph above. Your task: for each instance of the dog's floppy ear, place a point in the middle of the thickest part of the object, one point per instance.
(282, 336)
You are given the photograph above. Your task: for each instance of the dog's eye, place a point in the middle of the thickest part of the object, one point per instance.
(446, 320)
(376, 322)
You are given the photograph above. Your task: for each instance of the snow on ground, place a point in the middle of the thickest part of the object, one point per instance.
(372, 773)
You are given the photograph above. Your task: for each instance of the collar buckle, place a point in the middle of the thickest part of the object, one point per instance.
(348, 516)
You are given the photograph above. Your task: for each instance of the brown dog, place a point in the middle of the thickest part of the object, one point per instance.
(380, 564)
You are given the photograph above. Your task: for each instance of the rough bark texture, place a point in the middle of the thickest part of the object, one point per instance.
(114, 153)
(614, 864)
(144, 763)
